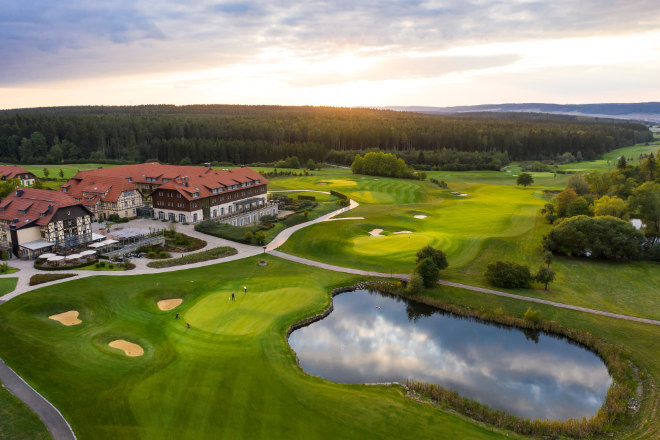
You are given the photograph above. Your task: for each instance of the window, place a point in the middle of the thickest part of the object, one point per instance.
(182, 218)
(170, 216)
(195, 218)
(161, 215)
(215, 213)
(194, 195)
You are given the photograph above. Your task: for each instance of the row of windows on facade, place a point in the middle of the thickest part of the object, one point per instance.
(195, 195)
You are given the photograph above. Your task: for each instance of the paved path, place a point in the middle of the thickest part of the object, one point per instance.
(52, 418)
(462, 286)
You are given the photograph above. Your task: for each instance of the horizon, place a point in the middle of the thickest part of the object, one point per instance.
(426, 53)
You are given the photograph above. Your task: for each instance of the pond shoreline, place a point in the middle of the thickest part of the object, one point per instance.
(614, 414)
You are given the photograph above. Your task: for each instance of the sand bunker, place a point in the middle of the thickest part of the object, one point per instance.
(420, 216)
(376, 233)
(169, 304)
(67, 318)
(129, 348)
(403, 232)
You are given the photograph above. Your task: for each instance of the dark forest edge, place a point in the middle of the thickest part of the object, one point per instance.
(267, 134)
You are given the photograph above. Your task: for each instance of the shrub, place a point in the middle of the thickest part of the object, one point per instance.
(198, 257)
(438, 257)
(163, 254)
(41, 278)
(415, 284)
(111, 266)
(429, 271)
(248, 236)
(508, 274)
(260, 237)
(151, 254)
(102, 263)
(532, 315)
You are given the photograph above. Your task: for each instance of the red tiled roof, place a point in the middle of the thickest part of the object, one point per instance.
(33, 205)
(107, 188)
(199, 179)
(11, 171)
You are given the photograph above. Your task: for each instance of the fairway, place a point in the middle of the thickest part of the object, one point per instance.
(230, 375)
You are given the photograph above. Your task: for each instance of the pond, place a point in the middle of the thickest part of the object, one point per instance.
(372, 338)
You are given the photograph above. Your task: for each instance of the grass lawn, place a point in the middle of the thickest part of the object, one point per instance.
(231, 375)
(7, 285)
(17, 421)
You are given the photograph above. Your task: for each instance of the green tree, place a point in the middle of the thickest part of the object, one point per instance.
(524, 179)
(545, 275)
(579, 206)
(621, 164)
(577, 182)
(260, 237)
(508, 274)
(563, 200)
(549, 212)
(46, 172)
(8, 186)
(598, 237)
(438, 257)
(415, 284)
(185, 161)
(61, 174)
(311, 165)
(429, 272)
(532, 315)
(645, 203)
(607, 205)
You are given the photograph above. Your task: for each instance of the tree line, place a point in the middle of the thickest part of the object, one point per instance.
(591, 215)
(248, 134)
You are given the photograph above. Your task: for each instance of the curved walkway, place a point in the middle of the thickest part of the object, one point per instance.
(57, 425)
(54, 420)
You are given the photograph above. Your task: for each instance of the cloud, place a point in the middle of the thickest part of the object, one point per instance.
(45, 40)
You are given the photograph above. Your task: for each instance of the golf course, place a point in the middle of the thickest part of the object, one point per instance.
(201, 365)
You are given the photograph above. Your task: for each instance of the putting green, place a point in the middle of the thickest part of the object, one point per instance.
(230, 375)
(458, 225)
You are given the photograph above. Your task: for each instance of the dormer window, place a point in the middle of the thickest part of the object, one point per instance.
(195, 195)
(256, 182)
(22, 211)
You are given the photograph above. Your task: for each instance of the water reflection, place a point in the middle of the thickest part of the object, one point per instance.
(529, 374)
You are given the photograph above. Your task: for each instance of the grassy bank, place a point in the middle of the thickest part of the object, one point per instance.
(231, 375)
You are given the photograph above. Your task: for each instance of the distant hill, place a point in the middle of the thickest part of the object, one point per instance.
(642, 111)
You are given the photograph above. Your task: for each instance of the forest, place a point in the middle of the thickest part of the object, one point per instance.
(265, 134)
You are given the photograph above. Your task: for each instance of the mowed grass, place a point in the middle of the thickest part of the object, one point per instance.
(457, 224)
(17, 421)
(641, 342)
(7, 285)
(231, 375)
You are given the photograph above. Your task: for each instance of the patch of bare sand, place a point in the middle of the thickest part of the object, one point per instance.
(376, 233)
(130, 349)
(67, 318)
(169, 304)
(403, 232)
(420, 216)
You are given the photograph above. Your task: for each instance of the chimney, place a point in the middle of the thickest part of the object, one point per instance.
(19, 192)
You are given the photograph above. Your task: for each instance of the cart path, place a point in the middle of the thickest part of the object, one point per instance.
(57, 425)
(463, 286)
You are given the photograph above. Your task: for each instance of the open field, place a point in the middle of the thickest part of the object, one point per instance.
(610, 159)
(231, 375)
(17, 421)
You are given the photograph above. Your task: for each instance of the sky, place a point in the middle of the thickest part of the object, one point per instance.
(338, 53)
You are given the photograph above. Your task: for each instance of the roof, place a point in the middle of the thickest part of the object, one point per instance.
(33, 206)
(11, 171)
(187, 180)
(90, 188)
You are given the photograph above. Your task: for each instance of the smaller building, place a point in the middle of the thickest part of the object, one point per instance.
(16, 172)
(104, 195)
(35, 221)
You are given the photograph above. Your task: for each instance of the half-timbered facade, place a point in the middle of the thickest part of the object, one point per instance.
(104, 195)
(34, 221)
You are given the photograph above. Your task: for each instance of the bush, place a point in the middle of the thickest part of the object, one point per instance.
(415, 284)
(599, 237)
(151, 254)
(532, 315)
(102, 263)
(41, 278)
(429, 271)
(438, 257)
(248, 236)
(508, 274)
(260, 237)
(163, 254)
(111, 266)
(198, 257)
